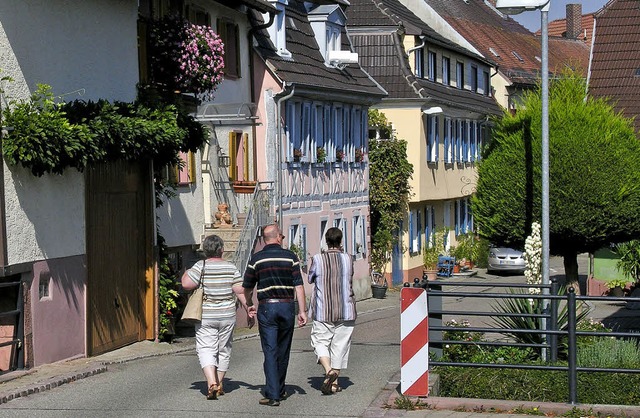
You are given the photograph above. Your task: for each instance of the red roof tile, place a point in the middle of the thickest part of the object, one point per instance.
(558, 28)
(503, 40)
(615, 65)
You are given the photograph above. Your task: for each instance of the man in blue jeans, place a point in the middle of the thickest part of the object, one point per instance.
(276, 272)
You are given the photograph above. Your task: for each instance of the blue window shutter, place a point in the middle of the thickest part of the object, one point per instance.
(419, 229)
(456, 216)
(426, 225)
(447, 139)
(433, 220)
(473, 141)
(459, 139)
(470, 216)
(480, 141)
(464, 216)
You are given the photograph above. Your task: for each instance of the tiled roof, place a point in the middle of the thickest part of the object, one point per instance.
(306, 68)
(558, 28)
(374, 27)
(261, 5)
(515, 50)
(615, 65)
(391, 13)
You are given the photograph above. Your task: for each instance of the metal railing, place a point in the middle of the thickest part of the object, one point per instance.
(436, 294)
(258, 214)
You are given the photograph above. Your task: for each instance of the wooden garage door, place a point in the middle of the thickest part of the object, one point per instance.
(118, 246)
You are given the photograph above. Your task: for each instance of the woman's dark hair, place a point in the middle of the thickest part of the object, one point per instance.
(333, 236)
(213, 246)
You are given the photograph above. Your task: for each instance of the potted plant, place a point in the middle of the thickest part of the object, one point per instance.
(321, 155)
(358, 155)
(616, 287)
(339, 155)
(185, 57)
(466, 251)
(299, 252)
(629, 260)
(379, 284)
(453, 252)
(297, 155)
(431, 253)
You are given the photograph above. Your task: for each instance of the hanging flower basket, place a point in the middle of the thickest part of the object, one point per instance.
(185, 57)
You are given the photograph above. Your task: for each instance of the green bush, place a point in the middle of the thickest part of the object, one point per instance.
(609, 352)
(50, 136)
(483, 253)
(521, 305)
(461, 353)
(538, 385)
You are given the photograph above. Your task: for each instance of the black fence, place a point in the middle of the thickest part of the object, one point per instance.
(437, 293)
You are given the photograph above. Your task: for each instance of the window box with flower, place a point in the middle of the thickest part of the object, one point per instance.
(297, 157)
(321, 155)
(185, 57)
(358, 155)
(339, 158)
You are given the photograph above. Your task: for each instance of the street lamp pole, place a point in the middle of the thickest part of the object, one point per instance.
(544, 16)
(516, 7)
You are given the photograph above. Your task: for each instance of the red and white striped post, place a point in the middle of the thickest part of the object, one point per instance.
(414, 342)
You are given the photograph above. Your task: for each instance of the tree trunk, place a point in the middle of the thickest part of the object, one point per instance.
(571, 271)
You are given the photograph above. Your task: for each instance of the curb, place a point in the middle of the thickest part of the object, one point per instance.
(382, 406)
(52, 383)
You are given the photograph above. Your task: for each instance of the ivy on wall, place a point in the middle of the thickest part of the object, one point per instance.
(389, 176)
(49, 136)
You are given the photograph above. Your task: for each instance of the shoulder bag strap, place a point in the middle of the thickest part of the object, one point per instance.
(204, 294)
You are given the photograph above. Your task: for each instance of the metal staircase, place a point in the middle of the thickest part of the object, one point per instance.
(240, 239)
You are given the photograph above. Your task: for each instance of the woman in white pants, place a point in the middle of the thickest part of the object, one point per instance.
(222, 284)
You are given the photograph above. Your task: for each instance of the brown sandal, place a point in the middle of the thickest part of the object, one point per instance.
(330, 377)
(335, 388)
(213, 392)
(220, 390)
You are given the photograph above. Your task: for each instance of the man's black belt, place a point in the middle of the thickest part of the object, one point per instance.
(275, 300)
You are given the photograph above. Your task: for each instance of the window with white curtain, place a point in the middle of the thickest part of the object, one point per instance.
(448, 141)
(419, 62)
(341, 223)
(359, 237)
(432, 138)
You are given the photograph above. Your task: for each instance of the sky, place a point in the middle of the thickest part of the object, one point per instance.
(558, 10)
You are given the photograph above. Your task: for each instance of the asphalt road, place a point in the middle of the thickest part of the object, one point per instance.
(173, 385)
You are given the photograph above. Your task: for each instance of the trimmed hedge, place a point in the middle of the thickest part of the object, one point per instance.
(538, 385)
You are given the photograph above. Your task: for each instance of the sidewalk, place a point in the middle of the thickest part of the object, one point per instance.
(27, 382)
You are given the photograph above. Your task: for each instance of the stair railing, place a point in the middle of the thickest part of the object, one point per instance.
(258, 215)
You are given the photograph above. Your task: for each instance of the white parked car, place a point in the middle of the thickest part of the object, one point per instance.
(505, 259)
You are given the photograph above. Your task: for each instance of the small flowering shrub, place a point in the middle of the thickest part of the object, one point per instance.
(533, 258)
(460, 352)
(185, 57)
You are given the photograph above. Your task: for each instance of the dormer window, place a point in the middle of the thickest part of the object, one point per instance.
(277, 31)
(327, 22)
(333, 40)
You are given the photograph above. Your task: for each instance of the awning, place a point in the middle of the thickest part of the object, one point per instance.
(226, 112)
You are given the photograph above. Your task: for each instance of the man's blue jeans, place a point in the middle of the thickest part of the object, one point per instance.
(276, 321)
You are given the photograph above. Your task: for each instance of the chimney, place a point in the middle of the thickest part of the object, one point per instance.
(574, 21)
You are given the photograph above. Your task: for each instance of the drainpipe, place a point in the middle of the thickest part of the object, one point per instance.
(4, 256)
(250, 35)
(424, 41)
(279, 146)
